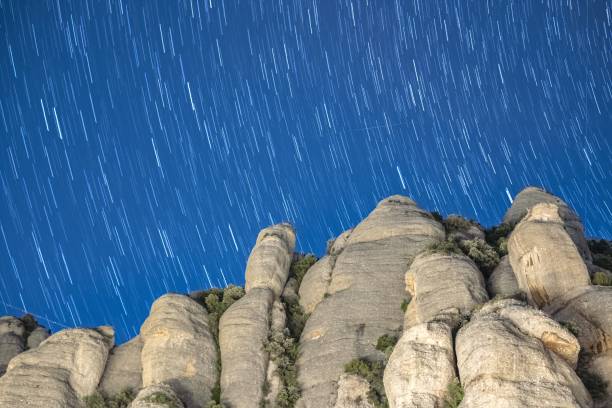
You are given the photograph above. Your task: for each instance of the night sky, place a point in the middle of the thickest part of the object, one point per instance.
(143, 144)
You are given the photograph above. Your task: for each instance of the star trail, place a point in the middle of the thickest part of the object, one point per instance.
(143, 144)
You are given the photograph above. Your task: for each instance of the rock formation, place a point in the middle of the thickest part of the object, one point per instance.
(544, 258)
(395, 314)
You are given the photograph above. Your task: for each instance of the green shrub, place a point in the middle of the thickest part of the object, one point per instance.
(437, 216)
(161, 398)
(455, 394)
(214, 404)
(596, 385)
(481, 253)
(386, 343)
(300, 266)
(296, 318)
(372, 372)
(602, 253)
(444, 247)
(602, 279)
(493, 234)
(404, 305)
(99, 400)
(283, 350)
(458, 223)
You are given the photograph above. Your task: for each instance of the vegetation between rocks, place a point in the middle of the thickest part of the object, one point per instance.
(497, 237)
(300, 266)
(161, 398)
(216, 301)
(601, 250)
(483, 255)
(99, 400)
(602, 279)
(444, 247)
(455, 394)
(596, 385)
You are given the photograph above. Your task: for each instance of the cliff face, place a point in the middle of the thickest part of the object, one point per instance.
(406, 309)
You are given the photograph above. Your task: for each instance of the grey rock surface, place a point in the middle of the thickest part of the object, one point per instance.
(544, 259)
(421, 367)
(502, 281)
(505, 365)
(57, 374)
(123, 368)
(365, 294)
(178, 349)
(531, 196)
(157, 396)
(439, 282)
(11, 340)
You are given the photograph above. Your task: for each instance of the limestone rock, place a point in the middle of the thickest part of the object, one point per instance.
(37, 336)
(461, 229)
(587, 311)
(352, 392)
(315, 283)
(178, 349)
(269, 261)
(243, 329)
(123, 369)
(545, 260)
(504, 365)
(335, 246)
(421, 367)
(502, 281)
(365, 295)
(11, 340)
(157, 396)
(66, 367)
(439, 282)
(531, 196)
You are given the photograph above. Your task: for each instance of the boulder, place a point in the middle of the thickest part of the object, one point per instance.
(421, 367)
(587, 311)
(123, 368)
(11, 340)
(544, 259)
(243, 330)
(57, 374)
(270, 259)
(364, 295)
(438, 282)
(601, 366)
(179, 350)
(157, 396)
(315, 283)
(353, 392)
(506, 361)
(38, 335)
(531, 196)
(459, 228)
(502, 281)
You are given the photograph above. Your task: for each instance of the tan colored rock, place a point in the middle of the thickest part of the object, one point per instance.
(544, 259)
(157, 396)
(504, 365)
(352, 392)
(335, 246)
(179, 350)
(461, 229)
(365, 294)
(438, 282)
(315, 283)
(502, 281)
(270, 259)
(588, 311)
(11, 340)
(421, 367)
(66, 367)
(243, 329)
(531, 196)
(123, 368)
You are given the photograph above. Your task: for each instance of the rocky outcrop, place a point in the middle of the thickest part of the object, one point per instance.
(246, 325)
(531, 196)
(65, 368)
(421, 367)
(157, 396)
(544, 259)
(502, 281)
(352, 392)
(178, 349)
(442, 282)
(123, 369)
(510, 355)
(363, 297)
(11, 340)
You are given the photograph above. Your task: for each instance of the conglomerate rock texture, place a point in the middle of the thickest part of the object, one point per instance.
(395, 314)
